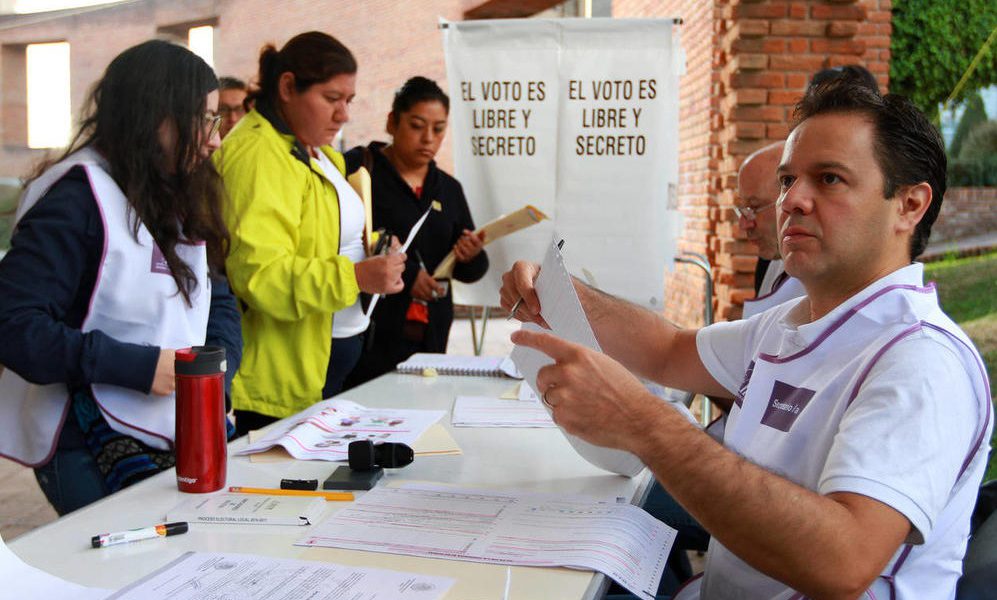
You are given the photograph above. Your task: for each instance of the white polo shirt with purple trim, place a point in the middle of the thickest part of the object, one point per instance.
(885, 397)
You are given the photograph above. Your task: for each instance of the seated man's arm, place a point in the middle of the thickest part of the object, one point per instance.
(832, 544)
(647, 343)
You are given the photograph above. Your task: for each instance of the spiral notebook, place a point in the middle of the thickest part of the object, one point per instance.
(452, 364)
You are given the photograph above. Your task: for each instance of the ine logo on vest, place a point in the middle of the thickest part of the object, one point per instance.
(159, 264)
(785, 405)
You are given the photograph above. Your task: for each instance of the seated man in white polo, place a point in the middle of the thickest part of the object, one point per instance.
(858, 436)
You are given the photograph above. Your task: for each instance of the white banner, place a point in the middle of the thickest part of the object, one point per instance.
(578, 117)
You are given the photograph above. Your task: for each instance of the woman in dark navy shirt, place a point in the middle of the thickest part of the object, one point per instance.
(406, 182)
(119, 234)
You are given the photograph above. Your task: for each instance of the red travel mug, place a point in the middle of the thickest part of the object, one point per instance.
(200, 435)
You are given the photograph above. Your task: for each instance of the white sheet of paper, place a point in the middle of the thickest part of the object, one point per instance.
(408, 241)
(324, 430)
(504, 527)
(562, 310)
(526, 394)
(485, 411)
(21, 580)
(215, 575)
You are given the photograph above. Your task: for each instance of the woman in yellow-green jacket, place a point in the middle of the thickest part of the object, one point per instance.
(297, 260)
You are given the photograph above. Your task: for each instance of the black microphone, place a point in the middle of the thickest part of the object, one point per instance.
(364, 455)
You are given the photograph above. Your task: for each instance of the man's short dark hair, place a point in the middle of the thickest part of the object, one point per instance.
(231, 83)
(907, 147)
(852, 73)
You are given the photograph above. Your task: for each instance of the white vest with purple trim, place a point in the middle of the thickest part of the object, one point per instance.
(789, 413)
(135, 299)
(777, 287)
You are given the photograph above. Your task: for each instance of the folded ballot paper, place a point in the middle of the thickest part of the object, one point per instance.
(563, 312)
(324, 430)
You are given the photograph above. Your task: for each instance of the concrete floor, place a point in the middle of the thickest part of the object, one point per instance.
(23, 507)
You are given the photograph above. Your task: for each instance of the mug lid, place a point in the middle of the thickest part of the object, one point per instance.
(200, 360)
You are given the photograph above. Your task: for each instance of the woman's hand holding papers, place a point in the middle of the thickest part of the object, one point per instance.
(382, 274)
(591, 395)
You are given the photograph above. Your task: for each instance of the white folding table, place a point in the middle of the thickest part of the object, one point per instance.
(524, 459)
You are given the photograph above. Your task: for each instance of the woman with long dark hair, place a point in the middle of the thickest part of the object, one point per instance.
(405, 183)
(298, 254)
(108, 274)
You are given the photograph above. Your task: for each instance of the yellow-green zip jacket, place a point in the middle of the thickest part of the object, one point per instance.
(283, 264)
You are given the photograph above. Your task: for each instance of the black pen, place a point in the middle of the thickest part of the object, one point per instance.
(515, 307)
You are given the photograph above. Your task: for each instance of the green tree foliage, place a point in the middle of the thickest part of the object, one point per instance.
(933, 42)
(972, 117)
(981, 142)
(976, 163)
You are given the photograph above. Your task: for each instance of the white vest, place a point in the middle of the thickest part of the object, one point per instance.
(791, 410)
(777, 287)
(134, 299)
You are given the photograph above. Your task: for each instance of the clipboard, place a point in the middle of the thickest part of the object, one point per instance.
(525, 217)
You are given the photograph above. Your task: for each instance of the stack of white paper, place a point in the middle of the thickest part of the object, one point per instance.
(248, 509)
(503, 527)
(484, 411)
(213, 575)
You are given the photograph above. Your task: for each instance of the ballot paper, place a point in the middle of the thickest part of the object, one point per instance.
(21, 580)
(324, 430)
(198, 575)
(404, 248)
(562, 310)
(485, 411)
(504, 527)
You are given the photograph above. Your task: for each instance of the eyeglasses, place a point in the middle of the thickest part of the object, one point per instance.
(212, 124)
(750, 213)
(225, 111)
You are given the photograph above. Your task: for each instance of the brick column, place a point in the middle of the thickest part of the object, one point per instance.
(767, 53)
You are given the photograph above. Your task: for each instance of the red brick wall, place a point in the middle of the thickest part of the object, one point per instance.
(966, 212)
(392, 41)
(747, 64)
(768, 51)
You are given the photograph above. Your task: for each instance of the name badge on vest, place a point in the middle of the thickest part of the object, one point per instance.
(785, 405)
(159, 264)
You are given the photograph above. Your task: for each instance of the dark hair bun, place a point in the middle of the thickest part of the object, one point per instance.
(415, 90)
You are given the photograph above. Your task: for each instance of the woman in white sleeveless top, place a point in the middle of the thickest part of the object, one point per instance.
(108, 275)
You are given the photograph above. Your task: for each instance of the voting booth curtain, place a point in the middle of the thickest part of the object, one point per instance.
(578, 117)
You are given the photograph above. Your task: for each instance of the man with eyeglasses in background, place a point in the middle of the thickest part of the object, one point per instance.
(231, 102)
(757, 193)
